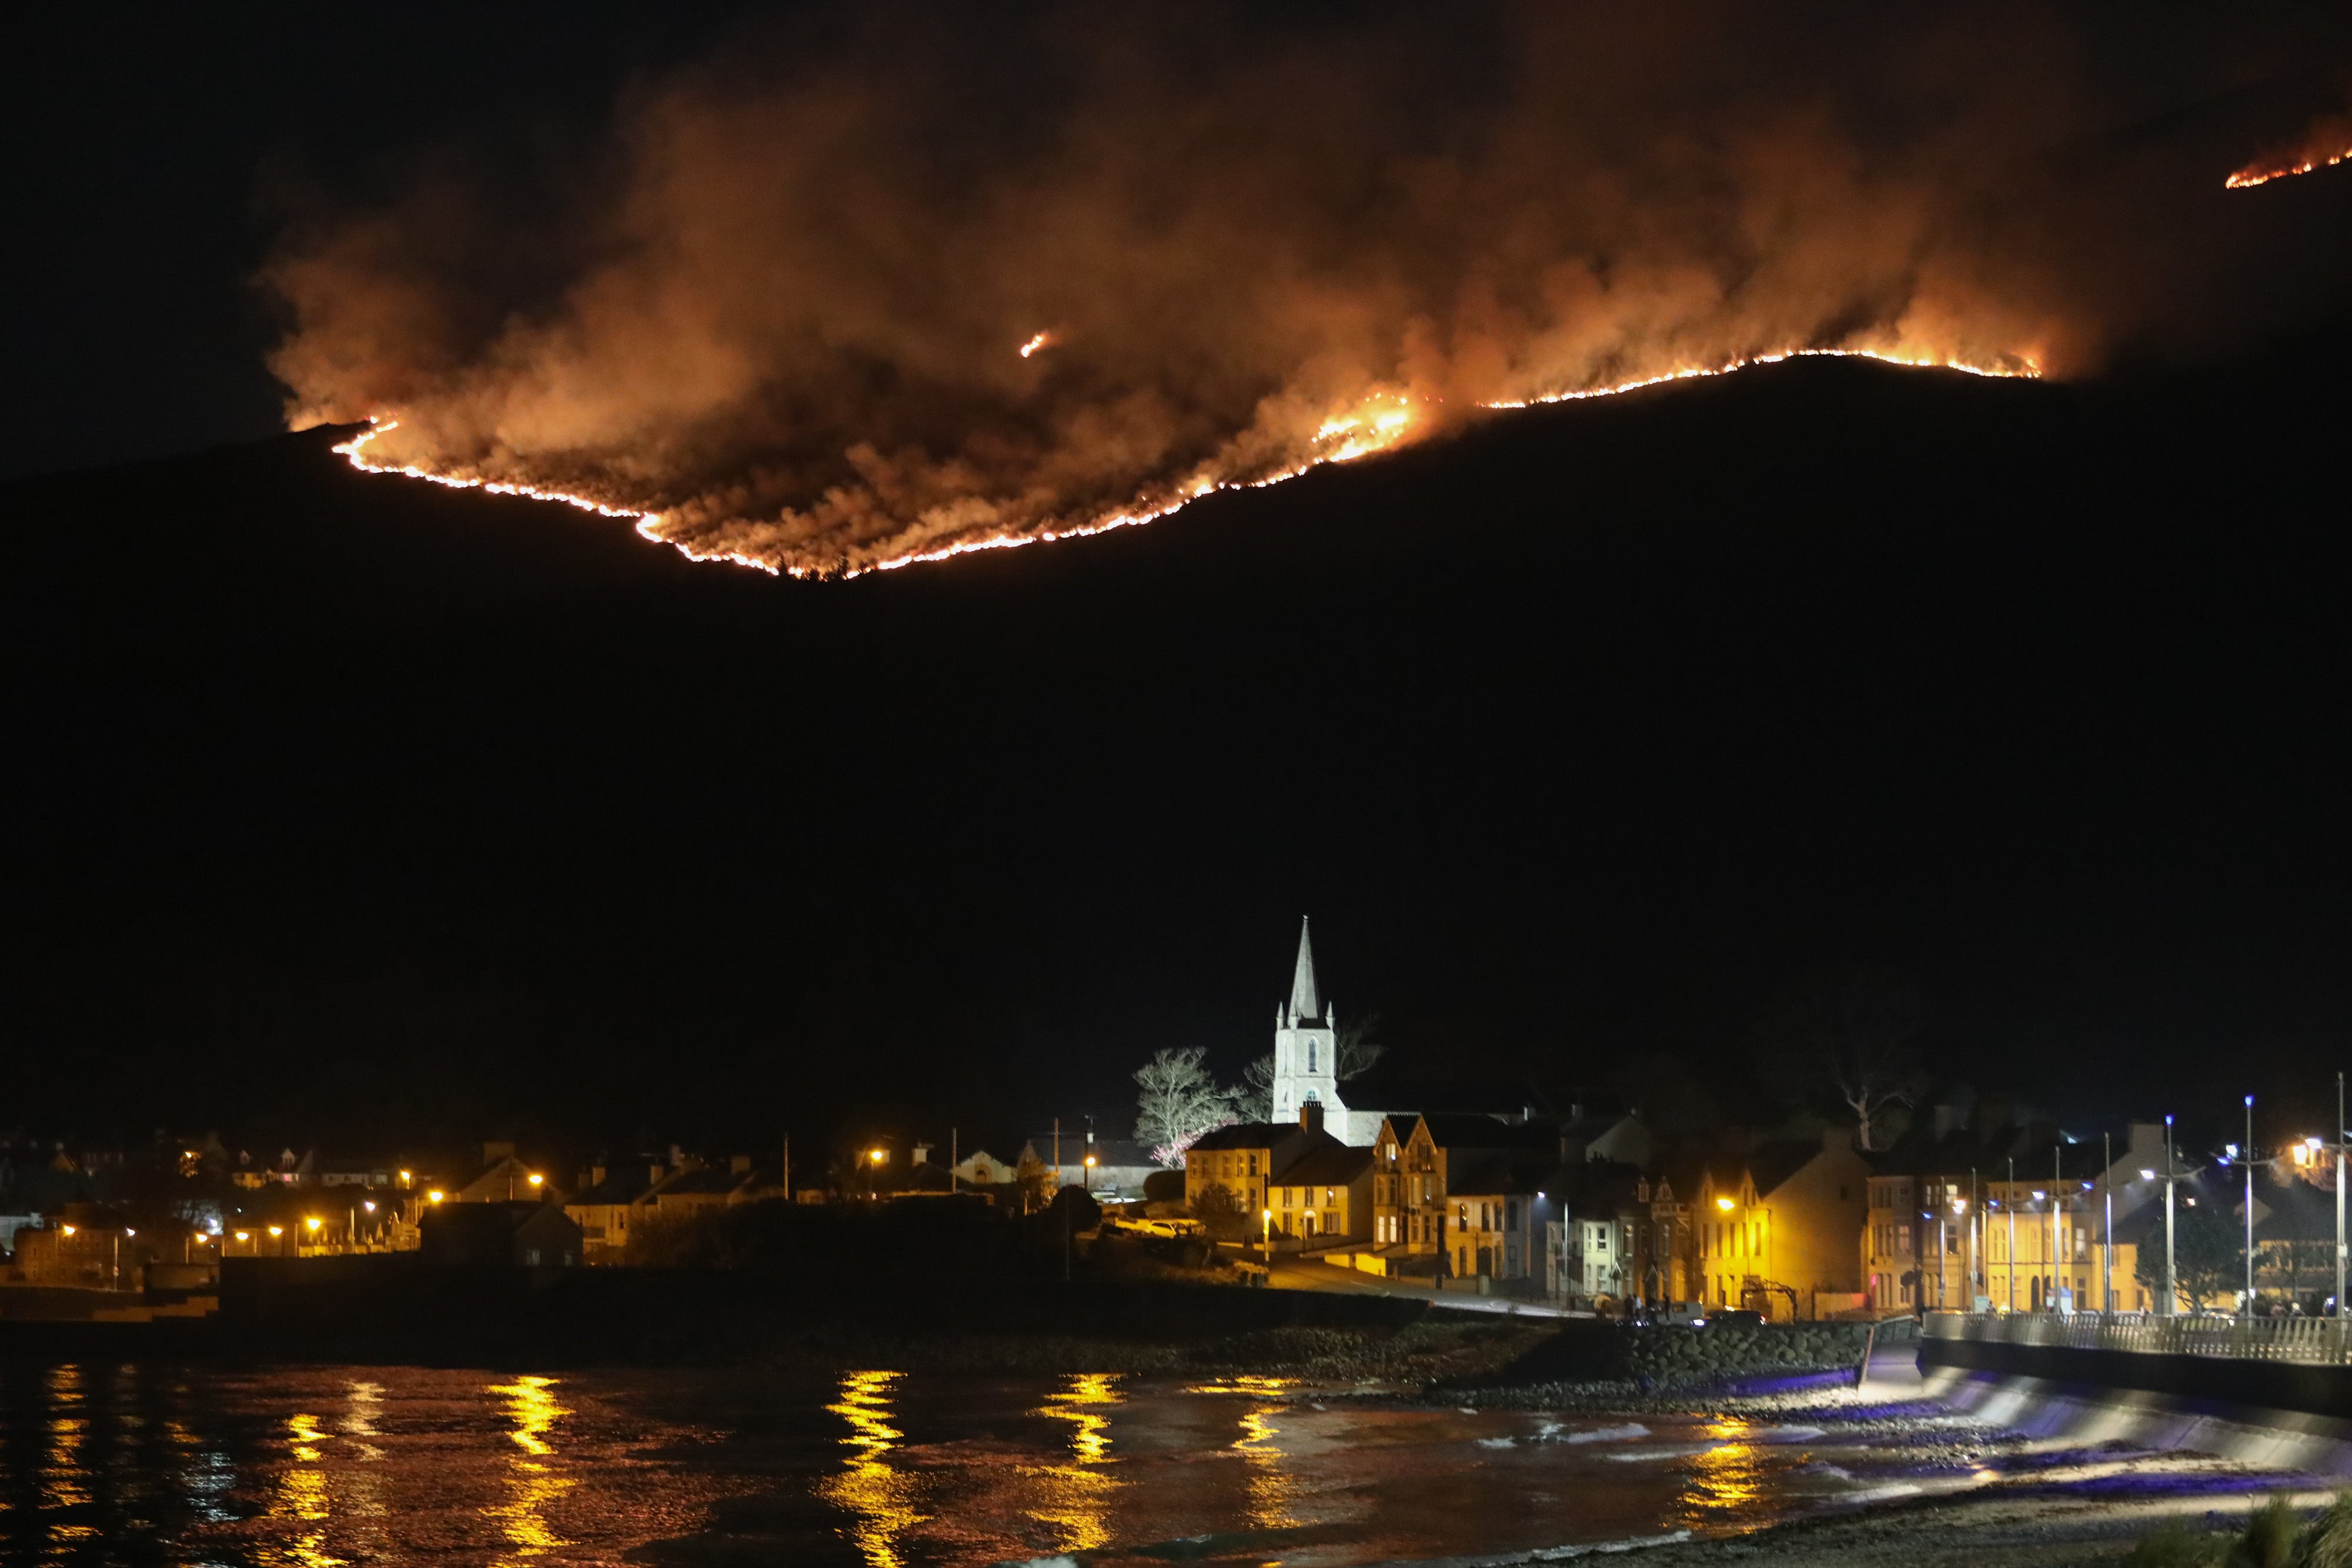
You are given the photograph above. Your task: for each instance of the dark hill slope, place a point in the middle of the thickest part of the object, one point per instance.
(369, 801)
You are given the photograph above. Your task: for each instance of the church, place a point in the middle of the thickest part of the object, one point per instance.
(1307, 1058)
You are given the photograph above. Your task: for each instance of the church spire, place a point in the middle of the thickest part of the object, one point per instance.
(1303, 1002)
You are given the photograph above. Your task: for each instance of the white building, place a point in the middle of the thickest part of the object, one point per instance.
(1306, 1058)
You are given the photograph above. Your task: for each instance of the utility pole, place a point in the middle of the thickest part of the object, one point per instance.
(2339, 1217)
(787, 1171)
(954, 1158)
(2247, 1312)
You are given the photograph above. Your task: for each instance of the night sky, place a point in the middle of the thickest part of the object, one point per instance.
(350, 809)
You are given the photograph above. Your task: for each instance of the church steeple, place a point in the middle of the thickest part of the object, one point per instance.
(1303, 1001)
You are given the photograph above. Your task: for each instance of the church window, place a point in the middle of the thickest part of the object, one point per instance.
(1310, 1056)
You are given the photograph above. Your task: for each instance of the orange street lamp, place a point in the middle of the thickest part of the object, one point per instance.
(876, 1155)
(536, 1178)
(277, 1230)
(244, 1236)
(1724, 1204)
(433, 1196)
(405, 1177)
(67, 1228)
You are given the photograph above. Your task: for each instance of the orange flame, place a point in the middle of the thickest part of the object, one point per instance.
(1380, 422)
(1041, 341)
(2262, 174)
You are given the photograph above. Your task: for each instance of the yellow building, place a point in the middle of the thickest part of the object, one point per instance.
(1775, 1231)
(1325, 1197)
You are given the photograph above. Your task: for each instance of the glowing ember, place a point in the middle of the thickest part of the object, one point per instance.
(1378, 422)
(1041, 341)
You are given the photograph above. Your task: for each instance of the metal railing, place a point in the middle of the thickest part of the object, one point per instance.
(2319, 1339)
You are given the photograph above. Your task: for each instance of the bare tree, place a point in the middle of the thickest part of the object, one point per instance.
(1353, 1051)
(1254, 1099)
(1853, 1031)
(1179, 1103)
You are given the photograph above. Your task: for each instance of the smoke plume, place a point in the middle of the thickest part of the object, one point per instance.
(881, 285)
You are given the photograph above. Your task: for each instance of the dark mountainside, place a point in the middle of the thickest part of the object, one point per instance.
(351, 807)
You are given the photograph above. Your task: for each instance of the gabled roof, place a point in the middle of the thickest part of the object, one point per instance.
(2298, 1212)
(1335, 1165)
(1244, 1135)
(1469, 1130)
(1285, 1144)
(1403, 1123)
(701, 1183)
(624, 1184)
(1493, 1172)
(1384, 1090)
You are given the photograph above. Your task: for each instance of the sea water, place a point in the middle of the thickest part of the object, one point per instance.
(317, 1467)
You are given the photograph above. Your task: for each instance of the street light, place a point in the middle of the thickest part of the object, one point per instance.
(537, 1179)
(1724, 1204)
(2248, 1307)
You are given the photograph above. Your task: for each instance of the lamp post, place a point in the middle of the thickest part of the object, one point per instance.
(2247, 1311)
(2057, 1209)
(2107, 1228)
(2171, 1282)
(2010, 1197)
(2339, 1216)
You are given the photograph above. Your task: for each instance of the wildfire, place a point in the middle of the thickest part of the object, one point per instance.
(1041, 341)
(2262, 172)
(1378, 423)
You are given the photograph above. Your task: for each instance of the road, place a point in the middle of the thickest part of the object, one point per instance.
(1299, 1274)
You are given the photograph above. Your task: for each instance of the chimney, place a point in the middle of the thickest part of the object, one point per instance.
(739, 1164)
(1310, 1116)
(923, 1155)
(595, 1176)
(655, 1171)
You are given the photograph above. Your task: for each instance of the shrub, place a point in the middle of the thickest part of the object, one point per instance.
(2173, 1545)
(2328, 1542)
(2270, 1538)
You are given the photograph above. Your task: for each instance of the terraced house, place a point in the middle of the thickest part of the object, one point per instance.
(1245, 1159)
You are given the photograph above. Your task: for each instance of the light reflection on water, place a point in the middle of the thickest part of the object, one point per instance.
(1075, 1497)
(879, 1499)
(323, 1468)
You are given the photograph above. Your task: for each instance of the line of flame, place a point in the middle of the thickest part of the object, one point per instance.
(1388, 429)
(2247, 178)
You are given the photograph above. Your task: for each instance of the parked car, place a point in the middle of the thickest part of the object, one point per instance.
(1730, 1318)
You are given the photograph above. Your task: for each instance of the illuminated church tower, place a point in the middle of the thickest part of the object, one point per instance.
(1306, 1048)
